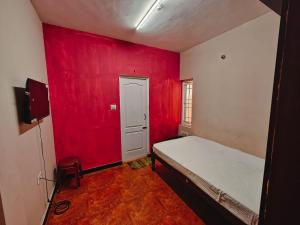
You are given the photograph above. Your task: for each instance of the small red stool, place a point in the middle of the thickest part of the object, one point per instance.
(69, 166)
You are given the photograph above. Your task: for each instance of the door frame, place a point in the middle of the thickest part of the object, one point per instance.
(148, 112)
(280, 198)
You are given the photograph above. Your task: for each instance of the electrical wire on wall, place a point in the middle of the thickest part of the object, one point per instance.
(44, 162)
(58, 207)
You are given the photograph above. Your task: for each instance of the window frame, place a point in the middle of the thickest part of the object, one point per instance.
(184, 84)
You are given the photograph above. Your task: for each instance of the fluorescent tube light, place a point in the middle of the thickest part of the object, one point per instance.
(152, 8)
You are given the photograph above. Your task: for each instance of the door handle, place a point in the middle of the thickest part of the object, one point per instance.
(145, 128)
(145, 116)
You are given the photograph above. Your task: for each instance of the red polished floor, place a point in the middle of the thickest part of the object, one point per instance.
(122, 196)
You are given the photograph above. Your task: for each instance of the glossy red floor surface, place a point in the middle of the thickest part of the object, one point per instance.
(124, 196)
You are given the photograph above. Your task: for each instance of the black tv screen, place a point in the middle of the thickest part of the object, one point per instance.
(37, 103)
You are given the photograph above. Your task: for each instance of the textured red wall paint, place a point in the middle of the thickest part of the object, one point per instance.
(83, 74)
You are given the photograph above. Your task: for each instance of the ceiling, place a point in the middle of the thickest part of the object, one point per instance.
(179, 25)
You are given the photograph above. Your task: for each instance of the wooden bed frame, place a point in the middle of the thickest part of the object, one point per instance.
(228, 216)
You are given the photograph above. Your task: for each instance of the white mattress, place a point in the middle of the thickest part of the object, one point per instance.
(233, 178)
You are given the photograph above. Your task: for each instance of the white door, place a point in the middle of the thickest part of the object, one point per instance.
(134, 94)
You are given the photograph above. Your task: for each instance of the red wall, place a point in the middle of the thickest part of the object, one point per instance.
(83, 74)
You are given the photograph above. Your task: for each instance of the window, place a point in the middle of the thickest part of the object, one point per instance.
(187, 93)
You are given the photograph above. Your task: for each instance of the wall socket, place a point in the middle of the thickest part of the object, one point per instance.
(39, 177)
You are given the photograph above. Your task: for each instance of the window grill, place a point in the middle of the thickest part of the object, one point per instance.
(187, 102)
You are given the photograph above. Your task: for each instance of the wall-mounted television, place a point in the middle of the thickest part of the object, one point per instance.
(36, 101)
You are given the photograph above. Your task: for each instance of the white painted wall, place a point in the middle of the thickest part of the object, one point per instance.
(232, 97)
(21, 56)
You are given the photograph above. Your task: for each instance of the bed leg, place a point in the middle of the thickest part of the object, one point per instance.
(153, 161)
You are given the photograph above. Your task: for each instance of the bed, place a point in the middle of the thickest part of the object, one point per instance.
(229, 177)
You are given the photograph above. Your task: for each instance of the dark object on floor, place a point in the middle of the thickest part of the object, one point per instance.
(61, 206)
(140, 163)
(70, 166)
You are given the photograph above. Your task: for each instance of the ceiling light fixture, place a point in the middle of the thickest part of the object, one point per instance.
(155, 5)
